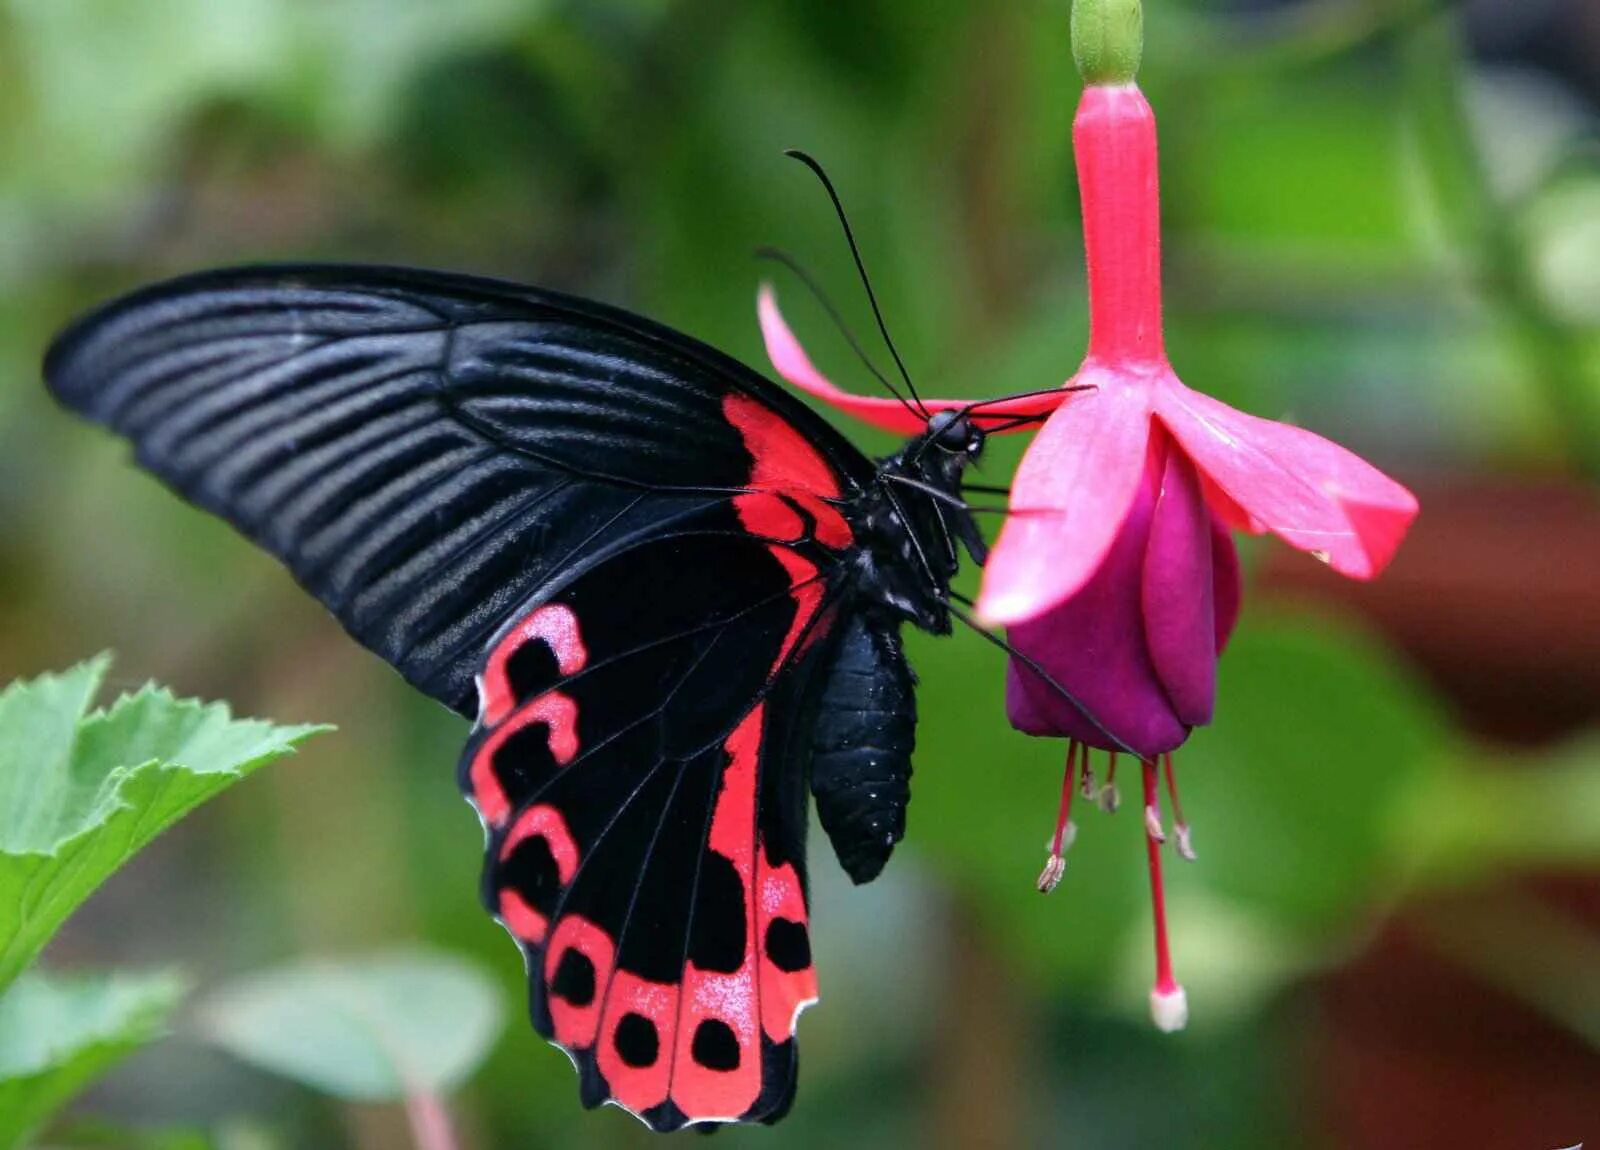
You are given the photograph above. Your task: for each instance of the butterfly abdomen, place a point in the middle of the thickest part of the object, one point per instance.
(865, 732)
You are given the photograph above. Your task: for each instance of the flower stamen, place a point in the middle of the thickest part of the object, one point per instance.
(1152, 805)
(1169, 1006)
(1180, 824)
(1110, 797)
(1056, 865)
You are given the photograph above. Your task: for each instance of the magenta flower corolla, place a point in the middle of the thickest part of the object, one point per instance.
(1115, 572)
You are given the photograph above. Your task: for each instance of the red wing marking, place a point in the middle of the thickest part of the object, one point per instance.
(784, 461)
(769, 516)
(558, 712)
(636, 1040)
(717, 1061)
(807, 594)
(487, 793)
(521, 919)
(554, 624)
(832, 530)
(784, 992)
(545, 822)
(574, 1024)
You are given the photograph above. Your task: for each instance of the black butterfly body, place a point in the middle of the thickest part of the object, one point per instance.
(668, 592)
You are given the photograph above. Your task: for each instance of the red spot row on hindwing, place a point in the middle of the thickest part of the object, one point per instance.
(538, 821)
(555, 625)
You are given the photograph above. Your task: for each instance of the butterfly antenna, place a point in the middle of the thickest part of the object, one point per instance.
(861, 268)
(778, 255)
(1018, 421)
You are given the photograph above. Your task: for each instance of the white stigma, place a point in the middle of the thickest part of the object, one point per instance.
(1170, 1009)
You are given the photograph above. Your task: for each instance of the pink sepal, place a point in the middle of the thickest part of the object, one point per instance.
(1312, 494)
(1070, 495)
(790, 361)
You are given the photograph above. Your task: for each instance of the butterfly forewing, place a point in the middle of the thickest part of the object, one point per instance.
(426, 452)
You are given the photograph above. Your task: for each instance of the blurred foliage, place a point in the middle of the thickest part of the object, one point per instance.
(58, 1035)
(1366, 232)
(382, 1027)
(81, 793)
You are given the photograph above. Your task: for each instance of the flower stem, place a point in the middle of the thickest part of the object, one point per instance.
(430, 1122)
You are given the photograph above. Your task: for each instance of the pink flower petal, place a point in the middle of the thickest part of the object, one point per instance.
(1176, 594)
(1068, 499)
(1227, 512)
(790, 361)
(1227, 588)
(1311, 493)
(1096, 645)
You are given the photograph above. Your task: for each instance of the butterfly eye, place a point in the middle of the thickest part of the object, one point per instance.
(954, 432)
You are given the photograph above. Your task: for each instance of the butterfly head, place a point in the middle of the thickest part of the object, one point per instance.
(954, 433)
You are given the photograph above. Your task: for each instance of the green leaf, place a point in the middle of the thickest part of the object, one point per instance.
(59, 1034)
(375, 1028)
(80, 794)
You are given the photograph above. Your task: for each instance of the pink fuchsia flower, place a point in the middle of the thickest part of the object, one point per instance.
(1116, 573)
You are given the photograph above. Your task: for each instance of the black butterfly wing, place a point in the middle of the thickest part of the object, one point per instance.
(425, 452)
(631, 542)
(647, 820)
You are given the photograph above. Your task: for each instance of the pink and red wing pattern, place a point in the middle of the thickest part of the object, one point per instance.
(646, 831)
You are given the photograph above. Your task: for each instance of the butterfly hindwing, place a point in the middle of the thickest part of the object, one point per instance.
(646, 843)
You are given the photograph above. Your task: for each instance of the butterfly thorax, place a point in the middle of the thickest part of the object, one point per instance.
(910, 522)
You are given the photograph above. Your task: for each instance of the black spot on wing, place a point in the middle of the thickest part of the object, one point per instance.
(715, 1046)
(574, 980)
(788, 945)
(638, 1043)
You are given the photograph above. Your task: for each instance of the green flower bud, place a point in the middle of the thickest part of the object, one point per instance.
(1107, 40)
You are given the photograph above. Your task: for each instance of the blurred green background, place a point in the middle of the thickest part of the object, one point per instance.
(1382, 221)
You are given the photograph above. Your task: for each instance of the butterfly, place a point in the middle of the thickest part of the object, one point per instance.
(668, 594)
